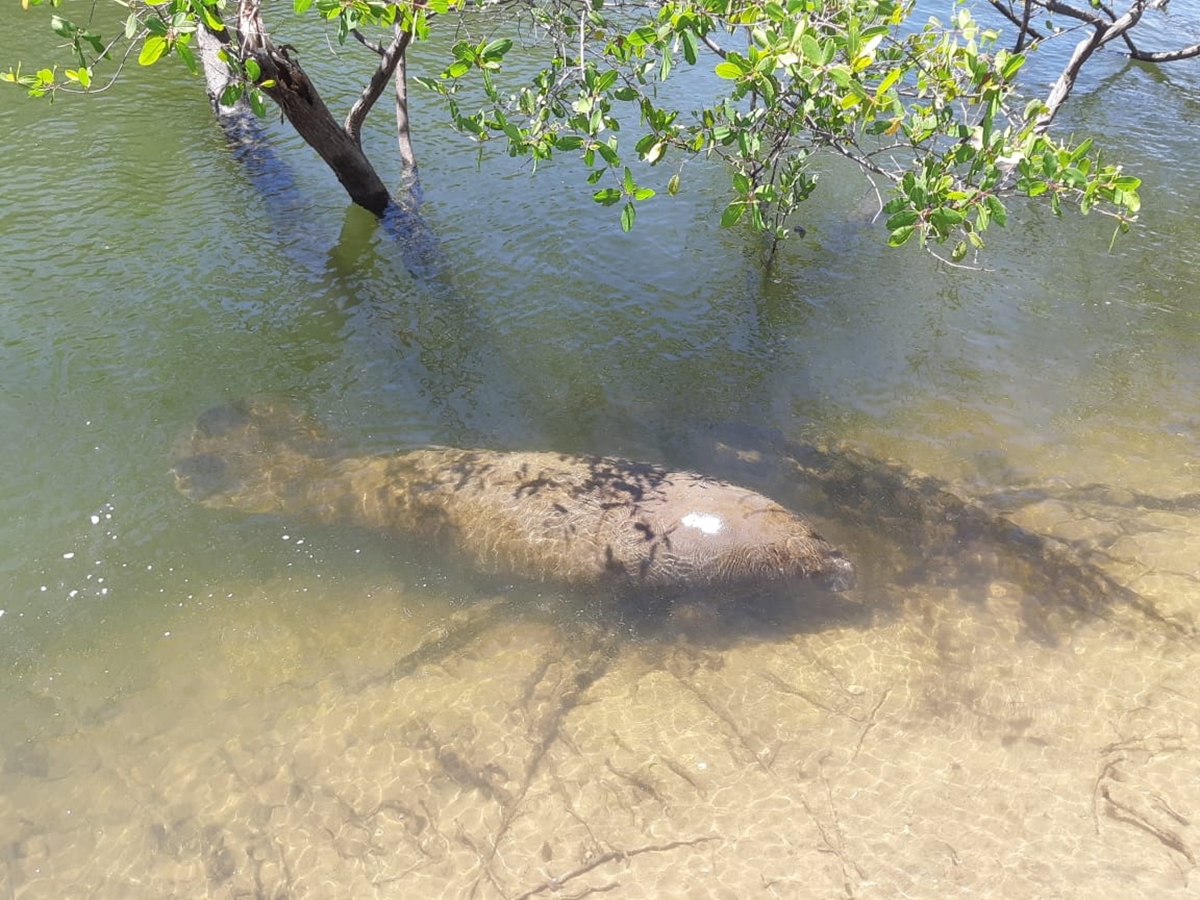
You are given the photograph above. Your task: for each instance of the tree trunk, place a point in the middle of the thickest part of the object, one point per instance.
(301, 105)
(408, 157)
(304, 108)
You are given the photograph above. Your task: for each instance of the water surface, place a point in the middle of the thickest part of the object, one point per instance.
(212, 703)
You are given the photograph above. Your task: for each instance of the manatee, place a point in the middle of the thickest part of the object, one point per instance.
(577, 520)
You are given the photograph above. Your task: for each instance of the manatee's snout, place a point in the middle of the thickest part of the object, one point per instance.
(841, 575)
(201, 476)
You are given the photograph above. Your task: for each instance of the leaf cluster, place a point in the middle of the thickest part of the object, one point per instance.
(930, 114)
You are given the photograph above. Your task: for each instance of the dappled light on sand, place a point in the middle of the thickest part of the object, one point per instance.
(924, 737)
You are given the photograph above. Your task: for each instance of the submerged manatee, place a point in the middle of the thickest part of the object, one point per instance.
(578, 520)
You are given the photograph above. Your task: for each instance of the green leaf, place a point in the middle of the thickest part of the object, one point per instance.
(673, 185)
(1081, 151)
(608, 154)
(605, 81)
(496, 49)
(231, 94)
(689, 47)
(900, 236)
(256, 104)
(841, 76)
(811, 48)
(152, 50)
(301, 6)
(903, 219)
(888, 80)
(607, 196)
(944, 218)
(189, 60)
(62, 27)
(1010, 68)
(733, 214)
(211, 18)
(729, 70)
(996, 208)
(628, 214)
(640, 37)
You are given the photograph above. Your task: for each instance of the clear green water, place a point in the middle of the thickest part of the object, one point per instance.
(182, 688)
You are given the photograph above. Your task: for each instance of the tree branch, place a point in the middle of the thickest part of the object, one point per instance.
(374, 46)
(1104, 32)
(408, 157)
(388, 61)
(1161, 56)
(285, 82)
(1022, 22)
(712, 45)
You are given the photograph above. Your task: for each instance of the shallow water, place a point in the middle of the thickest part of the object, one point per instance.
(207, 703)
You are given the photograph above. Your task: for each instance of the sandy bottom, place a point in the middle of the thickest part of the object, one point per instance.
(929, 747)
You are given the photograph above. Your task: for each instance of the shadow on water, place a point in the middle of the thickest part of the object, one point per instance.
(919, 530)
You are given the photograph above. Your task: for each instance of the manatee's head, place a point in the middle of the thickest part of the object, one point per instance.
(201, 476)
(247, 455)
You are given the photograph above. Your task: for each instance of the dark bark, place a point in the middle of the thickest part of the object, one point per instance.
(286, 83)
(393, 64)
(337, 144)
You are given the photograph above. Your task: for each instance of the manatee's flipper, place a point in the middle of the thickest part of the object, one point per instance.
(249, 455)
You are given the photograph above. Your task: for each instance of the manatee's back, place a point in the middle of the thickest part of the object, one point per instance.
(536, 515)
(589, 520)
